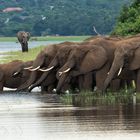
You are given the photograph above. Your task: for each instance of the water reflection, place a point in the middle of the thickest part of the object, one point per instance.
(45, 117)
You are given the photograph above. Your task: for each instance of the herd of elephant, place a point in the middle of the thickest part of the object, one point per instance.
(98, 63)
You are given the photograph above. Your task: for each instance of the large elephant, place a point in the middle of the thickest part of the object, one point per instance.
(23, 38)
(126, 56)
(42, 60)
(6, 74)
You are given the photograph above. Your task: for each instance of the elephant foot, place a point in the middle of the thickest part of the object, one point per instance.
(55, 91)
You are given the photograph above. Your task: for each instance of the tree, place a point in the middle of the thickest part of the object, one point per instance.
(129, 20)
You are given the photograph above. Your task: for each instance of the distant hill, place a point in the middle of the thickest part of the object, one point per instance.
(62, 17)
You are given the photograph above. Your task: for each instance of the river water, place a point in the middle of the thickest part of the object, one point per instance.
(14, 46)
(46, 117)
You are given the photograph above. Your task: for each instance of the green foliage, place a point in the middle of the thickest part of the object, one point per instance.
(129, 20)
(63, 17)
(92, 99)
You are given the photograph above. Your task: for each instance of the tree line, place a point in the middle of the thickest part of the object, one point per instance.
(60, 17)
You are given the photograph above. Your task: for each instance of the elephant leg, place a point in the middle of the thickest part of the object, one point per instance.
(43, 88)
(50, 89)
(101, 76)
(1, 86)
(138, 82)
(80, 82)
(87, 83)
(115, 85)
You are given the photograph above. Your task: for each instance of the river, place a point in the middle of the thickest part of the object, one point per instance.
(45, 117)
(14, 46)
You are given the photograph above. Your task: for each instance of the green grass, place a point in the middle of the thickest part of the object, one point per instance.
(18, 55)
(92, 98)
(47, 38)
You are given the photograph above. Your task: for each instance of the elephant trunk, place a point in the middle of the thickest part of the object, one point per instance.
(38, 62)
(61, 82)
(40, 81)
(30, 81)
(24, 46)
(64, 73)
(51, 67)
(116, 67)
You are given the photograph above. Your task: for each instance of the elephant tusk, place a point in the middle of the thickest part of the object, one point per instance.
(60, 73)
(120, 71)
(108, 73)
(35, 68)
(28, 68)
(15, 73)
(67, 70)
(45, 70)
(54, 90)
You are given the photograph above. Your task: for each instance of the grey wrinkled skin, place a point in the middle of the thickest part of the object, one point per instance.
(23, 38)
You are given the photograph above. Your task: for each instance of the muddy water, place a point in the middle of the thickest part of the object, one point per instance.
(45, 117)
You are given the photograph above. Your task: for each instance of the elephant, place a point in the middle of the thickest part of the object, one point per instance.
(126, 56)
(42, 60)
(6, 75)
(23, 38)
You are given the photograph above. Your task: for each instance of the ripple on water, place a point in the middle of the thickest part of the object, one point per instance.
(36, 116)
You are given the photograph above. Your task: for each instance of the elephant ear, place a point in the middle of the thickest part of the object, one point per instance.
(20, 35)
(29, 35)
(135, 61)
(93, 60)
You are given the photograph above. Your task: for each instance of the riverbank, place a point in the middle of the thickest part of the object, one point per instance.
(18, 55)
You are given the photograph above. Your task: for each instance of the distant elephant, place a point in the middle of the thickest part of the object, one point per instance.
(6, 75)
(126, 56)
(23, 38)
(42, 60)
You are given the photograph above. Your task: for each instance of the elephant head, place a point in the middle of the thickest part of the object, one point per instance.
(22, 69)
(23, 38)
(125, 56)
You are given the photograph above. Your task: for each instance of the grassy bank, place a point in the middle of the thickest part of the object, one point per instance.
(47, 38)
(92, 98)
(18, 55)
